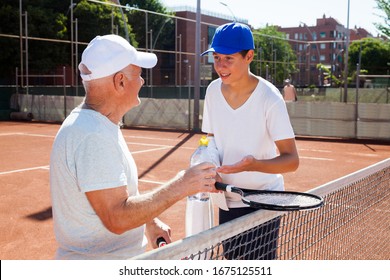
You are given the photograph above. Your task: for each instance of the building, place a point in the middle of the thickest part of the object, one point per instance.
(185, 57)
(324, 43)
(186, 41)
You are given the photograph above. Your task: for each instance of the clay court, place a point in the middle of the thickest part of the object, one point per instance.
(25, 211)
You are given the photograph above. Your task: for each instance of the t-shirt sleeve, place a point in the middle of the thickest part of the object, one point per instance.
(206, 126)
(207, 105)
(278, 122)
(99, 164)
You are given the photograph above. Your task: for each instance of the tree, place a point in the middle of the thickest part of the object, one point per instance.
(43, 22)
(384, 5)
(157, 33)
(9, 54)
(375, 54)
(98, 19)
(160, 26)
(49, 21)
(274, 51)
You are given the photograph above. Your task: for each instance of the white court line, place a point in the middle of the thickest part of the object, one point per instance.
(151, 182)
(38, 135)
(152, 138)
(146, 144)
(150, 150)
(317, 158)
(26, 134)
(315, 150)
(157, 145)
(25, 169)
(47, 167)
(11, 133)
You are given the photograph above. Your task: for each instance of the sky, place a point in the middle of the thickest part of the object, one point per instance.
(288, 13)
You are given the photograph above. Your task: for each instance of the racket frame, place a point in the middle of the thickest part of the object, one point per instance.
(266, 206)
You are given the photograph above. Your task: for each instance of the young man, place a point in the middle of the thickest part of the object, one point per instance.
(246, 119)
(98, 212)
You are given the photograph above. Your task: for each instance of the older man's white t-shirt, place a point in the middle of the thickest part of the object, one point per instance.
(89, 153)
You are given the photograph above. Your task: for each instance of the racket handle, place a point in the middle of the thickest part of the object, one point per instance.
(220, 186)
(161, 242)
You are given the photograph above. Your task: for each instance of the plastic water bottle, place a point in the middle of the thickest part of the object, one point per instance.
(200, 155)
(199, 211)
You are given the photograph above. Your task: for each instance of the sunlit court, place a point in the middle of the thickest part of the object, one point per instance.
(26, 217)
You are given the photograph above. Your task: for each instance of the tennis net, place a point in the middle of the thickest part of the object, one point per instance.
(353, 224)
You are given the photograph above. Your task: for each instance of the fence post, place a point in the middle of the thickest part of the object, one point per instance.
(357, 100)
(189, 97)
(64, 84)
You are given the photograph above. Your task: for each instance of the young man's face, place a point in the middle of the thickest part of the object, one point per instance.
(232, 67)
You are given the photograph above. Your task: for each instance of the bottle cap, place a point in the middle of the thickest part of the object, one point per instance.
(161, 242)
(204, 141)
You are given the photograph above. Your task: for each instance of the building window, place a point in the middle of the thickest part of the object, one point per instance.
(322, 46)
(322, 34)
(322, 57)
(314, 35)
(210, 35)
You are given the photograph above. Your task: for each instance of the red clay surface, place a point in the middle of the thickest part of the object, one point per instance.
(26, 228)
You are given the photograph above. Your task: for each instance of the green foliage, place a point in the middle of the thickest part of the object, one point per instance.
(161, 26)
(51, 19)
(375, 54)
(327, 73)
(97, 19)
(384, 6)
(9, 18)
(45, 19)
(269, 41)
(9, 55)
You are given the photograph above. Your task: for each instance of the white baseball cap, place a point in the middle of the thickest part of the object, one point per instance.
(108, 54)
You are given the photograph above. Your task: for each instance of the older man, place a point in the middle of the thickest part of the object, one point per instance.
(97, 210)
(289, 92)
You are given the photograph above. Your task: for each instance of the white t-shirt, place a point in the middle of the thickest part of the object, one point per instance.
(89, 153)
(251, 129)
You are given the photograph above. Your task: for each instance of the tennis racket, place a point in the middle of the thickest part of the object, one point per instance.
(274, 200)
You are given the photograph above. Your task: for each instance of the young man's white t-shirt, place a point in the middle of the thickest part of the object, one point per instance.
(251, 129)
(89, 153)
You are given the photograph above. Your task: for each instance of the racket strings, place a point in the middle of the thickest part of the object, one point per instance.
(282, 199)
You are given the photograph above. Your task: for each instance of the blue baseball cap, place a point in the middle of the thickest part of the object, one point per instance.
(231, 38)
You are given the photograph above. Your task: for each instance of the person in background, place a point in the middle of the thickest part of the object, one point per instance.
(289, 92)
(98, 211)
(250, 136)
